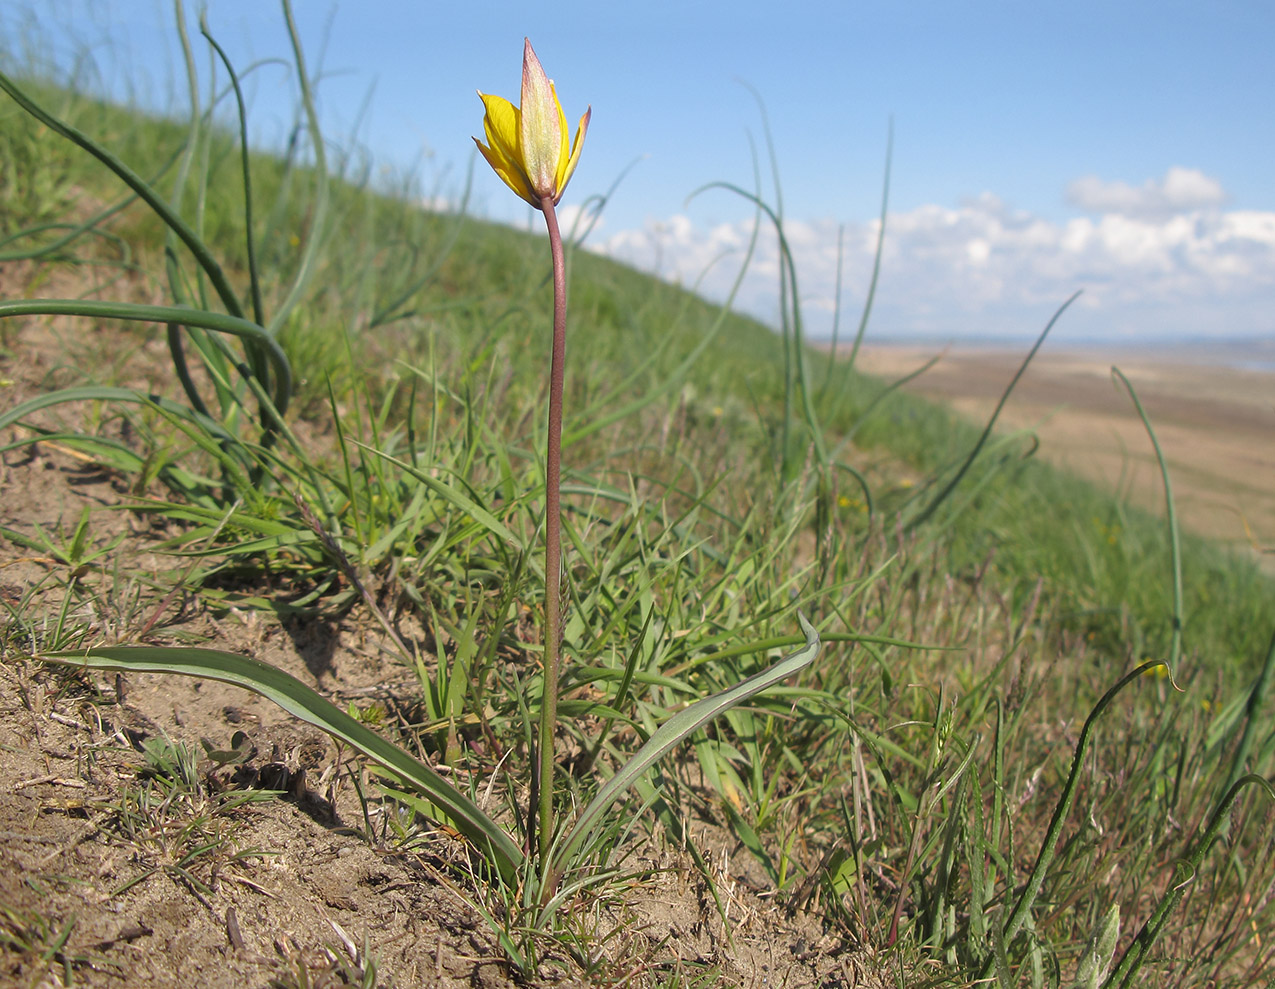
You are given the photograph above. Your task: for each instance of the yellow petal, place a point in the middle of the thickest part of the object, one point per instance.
(527, 145)
(500, 124)
(560, 166)
(512, 176)
(576, 146)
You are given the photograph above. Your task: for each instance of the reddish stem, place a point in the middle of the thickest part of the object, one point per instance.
(553, 536)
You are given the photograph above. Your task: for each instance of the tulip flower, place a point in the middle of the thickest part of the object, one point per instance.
(527, 145)
(528, 148)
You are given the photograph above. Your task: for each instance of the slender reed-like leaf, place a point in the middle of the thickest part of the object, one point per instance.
(254, 275)
(319, 210)
(220, 322)
(1252, 716)
(140, 186)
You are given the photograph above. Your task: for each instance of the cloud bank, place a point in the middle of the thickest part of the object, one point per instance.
(1161, 260)
(1181, 190)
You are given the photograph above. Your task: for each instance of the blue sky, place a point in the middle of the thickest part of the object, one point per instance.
(1124, 149)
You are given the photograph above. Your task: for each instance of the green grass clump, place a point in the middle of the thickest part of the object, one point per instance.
(1017, 731)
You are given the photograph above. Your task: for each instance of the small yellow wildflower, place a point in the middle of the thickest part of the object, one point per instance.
(527, 144)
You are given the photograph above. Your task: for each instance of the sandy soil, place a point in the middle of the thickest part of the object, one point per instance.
(1215, 424)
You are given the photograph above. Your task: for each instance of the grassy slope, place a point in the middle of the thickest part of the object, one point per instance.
(490, 290)
(1047, 589)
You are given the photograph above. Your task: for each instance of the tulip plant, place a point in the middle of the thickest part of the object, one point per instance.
(527, 147)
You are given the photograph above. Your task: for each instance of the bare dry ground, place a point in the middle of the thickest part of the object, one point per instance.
(1215, 422)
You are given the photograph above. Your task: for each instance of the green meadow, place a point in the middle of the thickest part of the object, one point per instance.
(1014, 731)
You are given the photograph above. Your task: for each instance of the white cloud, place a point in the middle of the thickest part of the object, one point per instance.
(986, 268)
(439, 203)
(1180, 190)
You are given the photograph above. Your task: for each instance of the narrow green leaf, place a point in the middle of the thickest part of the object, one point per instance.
(302, 702)
(102, 393)
(674, 731)
(1184, 872)
(458, 500)
(928, 512)
(1021, 912)
(249, 332)
(139, 186)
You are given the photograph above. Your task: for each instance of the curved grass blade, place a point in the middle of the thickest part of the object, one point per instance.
(318, 218)
(458, 500)
(942, 496)
(105, 393)
(880, 250)
(112, 453)
(791, 314)
(1186, 869)
(207, 433)
(139, 185)
(872, 283)
(302, 702)
(254, 275)
(1252, 715)
(608, 407)
(670, 734)
(1171, 519)
(73, 231)
(1022, 909)
(247, 331)
(865, 416)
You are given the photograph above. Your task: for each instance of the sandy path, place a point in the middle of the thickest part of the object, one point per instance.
(1215, 424)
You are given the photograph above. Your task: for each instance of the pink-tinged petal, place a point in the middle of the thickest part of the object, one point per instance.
(540, 131)
(576, 147)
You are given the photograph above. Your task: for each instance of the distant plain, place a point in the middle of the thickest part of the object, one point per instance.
(1212, 411)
